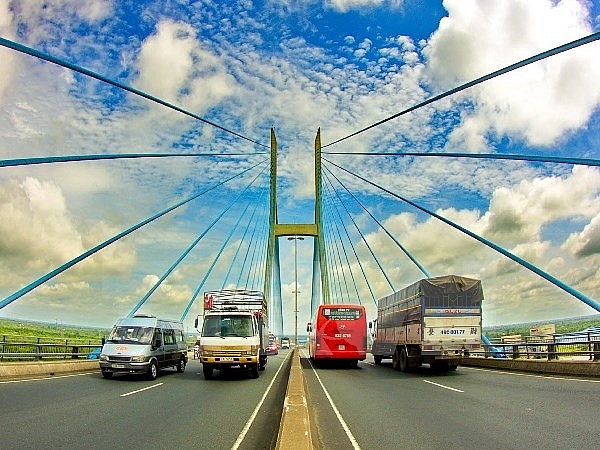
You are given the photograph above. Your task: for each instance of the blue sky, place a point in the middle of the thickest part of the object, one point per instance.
(298, 66)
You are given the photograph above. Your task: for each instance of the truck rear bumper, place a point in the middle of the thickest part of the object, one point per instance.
(229, 360)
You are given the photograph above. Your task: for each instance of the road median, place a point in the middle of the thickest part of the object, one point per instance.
(294, 429)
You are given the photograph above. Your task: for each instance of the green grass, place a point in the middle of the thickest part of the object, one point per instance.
(46, 331)
(561, 326)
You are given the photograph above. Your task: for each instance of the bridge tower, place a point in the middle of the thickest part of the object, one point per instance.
(320, 284)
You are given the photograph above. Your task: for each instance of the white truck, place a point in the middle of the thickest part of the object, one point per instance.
(435, 321)
(233, 331)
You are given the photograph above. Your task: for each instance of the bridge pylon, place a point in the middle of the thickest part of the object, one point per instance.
(320, 283)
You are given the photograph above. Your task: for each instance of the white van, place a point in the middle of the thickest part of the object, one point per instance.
(144, 344)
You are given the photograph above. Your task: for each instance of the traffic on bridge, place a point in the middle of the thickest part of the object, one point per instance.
(382, 184)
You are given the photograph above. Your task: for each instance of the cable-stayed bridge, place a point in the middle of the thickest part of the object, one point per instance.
(247, 252)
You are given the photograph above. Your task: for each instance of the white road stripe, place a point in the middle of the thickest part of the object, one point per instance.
(442, 386)
(335, 410)
(141, 390)
(242, 435)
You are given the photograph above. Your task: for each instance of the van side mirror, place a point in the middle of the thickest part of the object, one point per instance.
(370, 325)
(196, 322)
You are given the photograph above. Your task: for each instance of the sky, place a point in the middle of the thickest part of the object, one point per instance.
(296, 67)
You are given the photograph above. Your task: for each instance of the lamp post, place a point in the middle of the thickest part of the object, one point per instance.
(295, 239)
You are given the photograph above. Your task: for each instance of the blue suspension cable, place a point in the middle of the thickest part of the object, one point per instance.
(30, 51)
(216, 258)
(11, 298)
(575, 293)
(76, 158)
(538, 57)
(508, 156)
(406, 252)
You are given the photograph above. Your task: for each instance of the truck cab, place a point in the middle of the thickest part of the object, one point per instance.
(233, 332)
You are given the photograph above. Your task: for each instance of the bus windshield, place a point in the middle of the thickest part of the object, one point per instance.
(342, 313)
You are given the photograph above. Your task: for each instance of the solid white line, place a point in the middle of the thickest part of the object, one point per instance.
(242, 435)
(53, 377)
(442, 386)
(140, 390)
(335, 410)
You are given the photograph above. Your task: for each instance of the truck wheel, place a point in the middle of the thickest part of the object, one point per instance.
(396, 359)
(153, 370)
(254, 370)
(403, 361)
(262, 363)
(181, 365)
(207, 370)
(377, 360)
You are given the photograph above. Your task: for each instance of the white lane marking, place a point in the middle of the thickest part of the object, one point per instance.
(53, 377)
(141, 390)
(242, 435)
(443, 386)
(519, 374)
(335, 410)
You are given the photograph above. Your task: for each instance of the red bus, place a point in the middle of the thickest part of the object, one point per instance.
(338, 333)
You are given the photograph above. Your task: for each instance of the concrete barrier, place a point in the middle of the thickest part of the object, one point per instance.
(294, 429)
(46, 368)
(541, 366)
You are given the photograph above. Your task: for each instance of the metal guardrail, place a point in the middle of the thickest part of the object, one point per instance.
(15, 348)
(550, 347)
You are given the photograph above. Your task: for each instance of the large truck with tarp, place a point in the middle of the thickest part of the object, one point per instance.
(435, 321)
(233, 331)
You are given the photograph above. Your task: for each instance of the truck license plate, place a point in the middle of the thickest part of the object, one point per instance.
(118, 366)
(341, 347)
(227, 359)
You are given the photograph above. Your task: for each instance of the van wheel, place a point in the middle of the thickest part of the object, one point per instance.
(181, 365)
(153, 371)
(254, 371)
(208, 371)
(377, 360)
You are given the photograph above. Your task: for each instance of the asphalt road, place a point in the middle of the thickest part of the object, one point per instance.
(369, 407)
(375, 407)
(182, 411)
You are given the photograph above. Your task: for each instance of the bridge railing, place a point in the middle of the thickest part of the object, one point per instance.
(17, 348)
(550, 347)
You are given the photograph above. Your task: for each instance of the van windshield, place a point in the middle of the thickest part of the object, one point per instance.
(132, 335)
(226, 325)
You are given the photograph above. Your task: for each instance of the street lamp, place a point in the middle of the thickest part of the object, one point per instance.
(295, 239)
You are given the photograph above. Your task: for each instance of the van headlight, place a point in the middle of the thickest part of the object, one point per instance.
(103, 357)
(139, 358)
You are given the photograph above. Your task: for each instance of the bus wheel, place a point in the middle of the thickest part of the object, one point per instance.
(377, 360)
(403, 360)
(207, 370)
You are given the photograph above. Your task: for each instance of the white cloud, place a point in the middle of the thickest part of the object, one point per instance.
(539, 102)
(174, 67)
